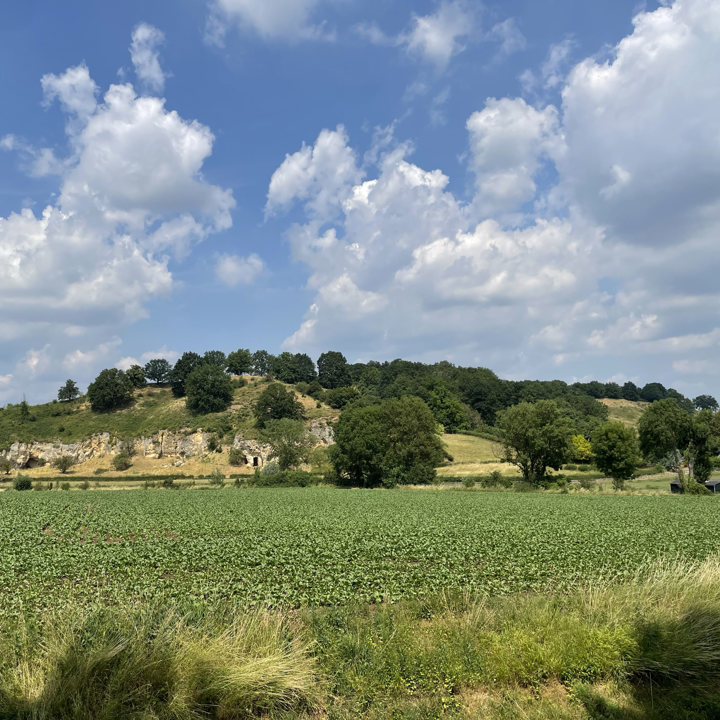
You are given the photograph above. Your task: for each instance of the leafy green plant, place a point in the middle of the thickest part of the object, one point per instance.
(22, 482)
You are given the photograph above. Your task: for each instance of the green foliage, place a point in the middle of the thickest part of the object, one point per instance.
(24, 411)
(69, 391)
(236, 456)
(581, 450)
(215, 357)
(208, 389)
(283, 478)
(122, 461)
(239, 362)
(333, 370)
(535, 437)
(395, 442)
(630, 391)
(652, 392)
(22, 482)
(158, 370)
(276, 403)
(289, 441)
(187, 362)
(262, 362)
(65, 486)
(705, 402)
(111, 390)
(291, 369)
(6, 465)
(217, 478)
(338, 398)
(616, 452)
(63, 463)
(136, 375)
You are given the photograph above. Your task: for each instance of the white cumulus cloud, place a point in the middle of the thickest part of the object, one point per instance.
(233, 270)
(144, 54)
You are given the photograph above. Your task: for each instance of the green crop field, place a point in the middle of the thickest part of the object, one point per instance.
(328, 546)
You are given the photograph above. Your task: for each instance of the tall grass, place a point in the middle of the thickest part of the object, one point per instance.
(148, 664)
(649, 648)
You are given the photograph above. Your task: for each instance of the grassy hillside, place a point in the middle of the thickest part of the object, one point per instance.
(153, 409)
(625, 411)
(472, 456)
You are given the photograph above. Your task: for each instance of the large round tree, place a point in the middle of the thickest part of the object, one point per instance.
(208, 389)
(535, 437)
(111, 389)
(615, 447)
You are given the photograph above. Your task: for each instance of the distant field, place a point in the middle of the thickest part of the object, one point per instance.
(625, 411)
(472, 456)
(320, 546)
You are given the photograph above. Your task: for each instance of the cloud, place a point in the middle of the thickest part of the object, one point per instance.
(234, 270)
(509, 35)
(144, 54)
(554, 70)
(270, 19)
(322, 174)
(438, 37)
(589, 240)
(131, 196)
(509, 140)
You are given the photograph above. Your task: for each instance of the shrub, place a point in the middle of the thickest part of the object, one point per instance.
(169, 483)
(587, 483)
(285, 478)
(100, 471)
(63, 463)
(217, 478)
(213, 444)
(65, 486)
(22, 482)
(6, 465)
(236, 456)
(85, 485)
(468, 482)
(122, 461)
(696, 488)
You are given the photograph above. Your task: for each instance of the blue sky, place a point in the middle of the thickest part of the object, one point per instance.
(528, 186)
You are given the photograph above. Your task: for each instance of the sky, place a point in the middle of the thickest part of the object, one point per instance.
(531, 186)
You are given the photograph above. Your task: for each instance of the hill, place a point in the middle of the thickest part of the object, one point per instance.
(625, 411)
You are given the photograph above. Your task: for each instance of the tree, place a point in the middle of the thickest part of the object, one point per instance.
(394, 442)
(24, 411)
(69, 391)
(285, 369)
(535, 437)
(630, 391)
(276, 403)
(6, 465)
(239, 362)
(110, 390)
(187, 362)
(262, 362)
(703, 445)
(136, 375)
(580, 449)
(63, 463)
(705, 402)
(665, 431)
(289, 440)
(305, 368)
(215, 357)
(208, 389)
(616, 451)
(333, 370)
(158, 370)
(652, 392)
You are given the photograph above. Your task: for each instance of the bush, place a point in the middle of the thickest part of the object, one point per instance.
(468, 482)
(100, 471)
(213, 444)
(6, 465)
(22, 482)
(63, 463)
(85, 485)
(587, 483)
(696, 488)
(236, 457)
(65, 486)
(217, 478)
(122, 461)
(285, 478)
(168, 483)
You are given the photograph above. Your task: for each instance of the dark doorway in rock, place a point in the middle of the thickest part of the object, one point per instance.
(256, 461)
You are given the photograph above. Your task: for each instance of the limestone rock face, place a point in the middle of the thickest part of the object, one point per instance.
(176, 446)
(163, 444)
(256, 453)
(323, 431)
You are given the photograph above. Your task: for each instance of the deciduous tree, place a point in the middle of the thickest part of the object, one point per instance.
(615, 447)
(535, 437)
(290, 441)
(208, 389)
(158, 370)
(69, 391)
(110, 390)
(276, 403)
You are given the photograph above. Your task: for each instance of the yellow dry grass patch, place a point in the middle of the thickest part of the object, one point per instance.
(625, 411)
(473, 456)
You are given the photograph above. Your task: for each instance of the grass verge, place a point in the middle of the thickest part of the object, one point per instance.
(648, 649)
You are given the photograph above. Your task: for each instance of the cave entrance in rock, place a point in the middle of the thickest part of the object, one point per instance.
(256, 461)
